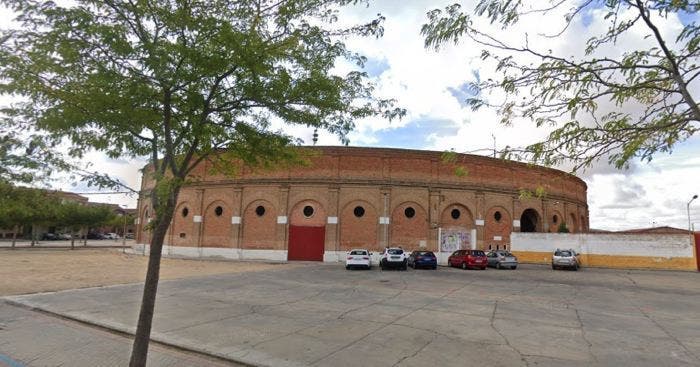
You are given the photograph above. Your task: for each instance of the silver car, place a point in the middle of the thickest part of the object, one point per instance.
(565, 259)
(500, 259)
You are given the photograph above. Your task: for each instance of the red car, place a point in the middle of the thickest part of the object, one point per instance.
(468, 259)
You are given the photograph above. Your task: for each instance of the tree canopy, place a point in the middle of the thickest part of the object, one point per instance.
(610, 101)
(183, 82)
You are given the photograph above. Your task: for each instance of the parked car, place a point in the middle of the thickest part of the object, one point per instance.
(49, 237)
(567, 259)
(467, 259)
(95, 236)
(358, 258)
(424, 259)
(64, 236)
(500, 259)
(129, 236)
(111, 236)
(393, 257)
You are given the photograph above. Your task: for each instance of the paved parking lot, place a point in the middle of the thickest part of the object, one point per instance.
(323, 315)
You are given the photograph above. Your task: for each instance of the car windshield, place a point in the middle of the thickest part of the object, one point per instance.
(563, 253)
(394, 251)
(358, 252)
(424, 253)
(505, 254)
(478, 253)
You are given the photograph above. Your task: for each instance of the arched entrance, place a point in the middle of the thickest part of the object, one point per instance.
(307, 231)
(530, 221)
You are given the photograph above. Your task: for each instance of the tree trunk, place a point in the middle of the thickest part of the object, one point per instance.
(14, 236)
(139, 353)
(72, 239)
(85, 231)
(33, 235)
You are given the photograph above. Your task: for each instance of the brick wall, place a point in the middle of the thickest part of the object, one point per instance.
(384, 182)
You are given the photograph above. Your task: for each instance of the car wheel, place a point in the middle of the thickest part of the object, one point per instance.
(347, 267)
(513, 267)
(483, 268)
(498, 265)
(554, 267)
(434, 267)
(464, 266)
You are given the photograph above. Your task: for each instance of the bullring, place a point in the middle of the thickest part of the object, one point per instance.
(352, 197)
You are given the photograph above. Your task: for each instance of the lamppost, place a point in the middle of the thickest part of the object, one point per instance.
(687, 207)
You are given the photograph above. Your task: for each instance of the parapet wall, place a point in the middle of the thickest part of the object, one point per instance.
(629, 251)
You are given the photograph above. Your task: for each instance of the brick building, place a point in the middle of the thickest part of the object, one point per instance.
(351, 197)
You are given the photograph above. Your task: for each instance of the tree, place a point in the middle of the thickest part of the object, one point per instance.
(634, 104)
(562, 228)
(16, 207)
(184, 82)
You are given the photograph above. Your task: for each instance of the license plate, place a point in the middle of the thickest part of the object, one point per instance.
(395, 257)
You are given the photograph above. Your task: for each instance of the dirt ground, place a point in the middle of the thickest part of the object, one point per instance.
(33, 271)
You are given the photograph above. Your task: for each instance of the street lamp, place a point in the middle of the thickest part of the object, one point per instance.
(688, 209)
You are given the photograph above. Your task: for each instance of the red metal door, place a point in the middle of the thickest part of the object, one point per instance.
(697, 249)
(306, 243)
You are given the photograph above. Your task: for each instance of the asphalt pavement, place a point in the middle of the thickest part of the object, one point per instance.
(324, 315)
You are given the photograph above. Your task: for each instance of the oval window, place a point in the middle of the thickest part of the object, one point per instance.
(497, 216)
(185, 211)
(409, 212)
(218, 211)
(260, 211)
(359, 211)
(308, 211)
(455, 214)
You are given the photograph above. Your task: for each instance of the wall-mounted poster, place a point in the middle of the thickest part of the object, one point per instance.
(454, 239)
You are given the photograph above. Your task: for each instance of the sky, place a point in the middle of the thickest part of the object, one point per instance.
(432, 86)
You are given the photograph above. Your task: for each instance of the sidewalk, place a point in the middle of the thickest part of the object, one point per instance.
(26, 244)
(30, 338)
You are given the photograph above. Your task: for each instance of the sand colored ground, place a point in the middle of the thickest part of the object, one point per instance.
(32, 271)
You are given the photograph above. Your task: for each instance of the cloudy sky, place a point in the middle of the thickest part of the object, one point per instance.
(431, 85)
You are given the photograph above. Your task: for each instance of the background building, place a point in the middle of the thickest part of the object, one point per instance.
(351, 197)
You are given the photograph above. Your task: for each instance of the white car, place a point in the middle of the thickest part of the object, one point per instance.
(358, 258)
(111, 236)
(565, 259)
(393, 257)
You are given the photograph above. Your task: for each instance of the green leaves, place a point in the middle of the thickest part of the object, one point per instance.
(623, 108)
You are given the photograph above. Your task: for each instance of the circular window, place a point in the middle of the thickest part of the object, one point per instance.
(455, 214)
(359, 211)
(260, 211)
(554, 219)
(409, 212)
(218, 211)
(308, 211)
(185, 211)
(497, 216)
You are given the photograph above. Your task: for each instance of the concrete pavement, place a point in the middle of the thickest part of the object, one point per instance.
(29, 338)
(323, 315)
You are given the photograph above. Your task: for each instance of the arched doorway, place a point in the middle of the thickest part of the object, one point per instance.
(573, 226)
(530, 221)
(307, 231)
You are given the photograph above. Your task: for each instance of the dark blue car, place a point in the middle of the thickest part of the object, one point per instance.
(422, 259)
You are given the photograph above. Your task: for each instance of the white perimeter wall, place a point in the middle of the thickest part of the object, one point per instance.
(656, 245)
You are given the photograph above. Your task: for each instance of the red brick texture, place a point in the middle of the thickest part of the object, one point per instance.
(384, 183)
